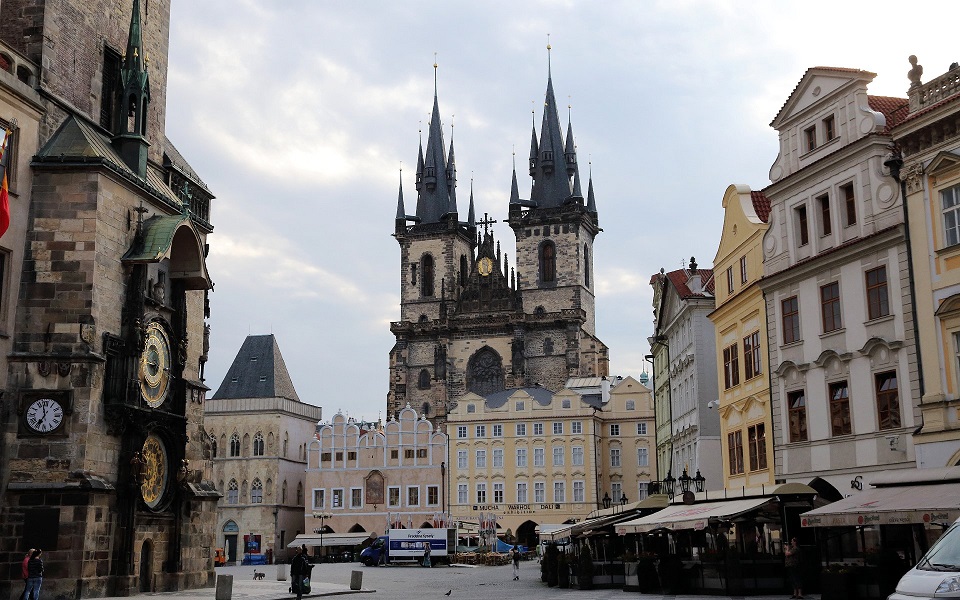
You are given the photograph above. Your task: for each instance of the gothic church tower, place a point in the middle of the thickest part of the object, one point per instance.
(468, 321)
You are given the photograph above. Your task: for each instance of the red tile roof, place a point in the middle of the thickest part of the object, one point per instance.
(679, 280)
(909, 117)
(893, 109)
(761, 205)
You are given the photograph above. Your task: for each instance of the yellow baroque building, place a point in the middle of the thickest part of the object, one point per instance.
(746, 429)
(531, 456)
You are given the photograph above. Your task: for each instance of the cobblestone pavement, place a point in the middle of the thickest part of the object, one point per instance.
(405, 582)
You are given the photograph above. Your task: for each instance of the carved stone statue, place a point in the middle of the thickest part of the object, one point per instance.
(915, 72)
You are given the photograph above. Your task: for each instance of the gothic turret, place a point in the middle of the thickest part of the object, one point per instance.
(554, 164)
(435, 194)
(133, 100)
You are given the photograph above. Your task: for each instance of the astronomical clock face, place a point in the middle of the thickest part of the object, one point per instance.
(155, 366)
(44, 415)
(155, 471)
(485, 266)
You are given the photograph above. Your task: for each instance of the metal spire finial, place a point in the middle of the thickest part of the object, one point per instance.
(434, 73)
(548, 55)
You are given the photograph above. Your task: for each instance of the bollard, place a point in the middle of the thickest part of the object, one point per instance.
(224, 587)
(281, 572)
(356, 580)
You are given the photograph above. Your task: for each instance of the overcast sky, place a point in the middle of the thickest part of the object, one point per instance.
(298, 114)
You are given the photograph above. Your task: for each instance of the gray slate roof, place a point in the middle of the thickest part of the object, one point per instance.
(258, 371)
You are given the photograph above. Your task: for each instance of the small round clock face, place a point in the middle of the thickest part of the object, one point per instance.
(44, 415)
(155, 468)
(485, 266)
(155, 366)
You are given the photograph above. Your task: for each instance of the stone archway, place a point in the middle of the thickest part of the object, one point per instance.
(527, 534)
(146, 566)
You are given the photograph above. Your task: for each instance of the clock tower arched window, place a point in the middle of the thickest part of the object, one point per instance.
(233, 492)
(548, 262)
(424, 380)
(256, 492)
(258, 444)
(426, 280)
(235, 445)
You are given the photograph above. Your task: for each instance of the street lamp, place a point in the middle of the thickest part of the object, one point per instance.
(685, 481)
(699, 481)
(322, 517)
(623, 500)
(669, 484)
(606, 500)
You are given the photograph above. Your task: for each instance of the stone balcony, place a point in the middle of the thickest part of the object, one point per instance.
(928, 94)
(18, 65)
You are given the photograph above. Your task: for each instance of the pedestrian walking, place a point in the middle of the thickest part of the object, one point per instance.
(24, 573)
(515, 555)
(794, 562)
(300, 568)
(34, 575)
(426, 554)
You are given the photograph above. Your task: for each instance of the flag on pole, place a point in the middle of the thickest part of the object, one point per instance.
(4, 192)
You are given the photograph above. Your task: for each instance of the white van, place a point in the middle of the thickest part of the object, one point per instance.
(937, 575)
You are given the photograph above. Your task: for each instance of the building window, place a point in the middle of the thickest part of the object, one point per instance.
(336, 499)
(576, 427)
(539, 457)
(829, 128)
(950, 200)
(521, 429)
(731, 367)
(256, 491)
(235, 445)
(538, 429)
(462, 493)
(757, 438)
(407, 453)
(213, 438)
(641, 429)
(559, 494)
(631, 405)
(258, 444)
(326, 456)
(557, 428)
(471, 408)
(498, 458)
(461, 432)
(233, 492)
(481, 493)
(548, 262)
(413, 495)
(840, 409)
(643, 457)
(877, 303)
(539, 492)
(803, 232)
(888, 400)
(729, 280)
(521, 493)
(830, 306)
(735, 450)
(421, 453)
(743, 269)
(797, 412)
(498, 492)
(790, 316)
(497, 431)
(481, 459)
(481, 431)
(850, 203)
(283, 492)
(521, 457)
(751, 356)
(586, 266)
(558, 456)
(319, 499)
(643, 490)
(823, 202)
(519, 405)
(576, 456)
(810, 135)
(614, 457)
(461, 459)
(426, 279)
(423, 381)
(614, 429)
(356, 498)
(579, 492)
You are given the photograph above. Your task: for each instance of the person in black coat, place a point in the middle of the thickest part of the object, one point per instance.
(300, 568)
(34, 576)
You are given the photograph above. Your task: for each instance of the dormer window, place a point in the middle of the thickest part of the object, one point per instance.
(810, 135)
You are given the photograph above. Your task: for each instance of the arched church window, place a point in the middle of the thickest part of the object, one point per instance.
(548, 346)
(425, 409)
(485, 372)
(258, 444)
(424, 380)
(233, 492)
(235, 445)
(286, 443)
(243, 491)
(463, 270)
(256, 491)
(548, 262)
(426, 281)
(586, 265)
(424, 319)
(213, 445)
(283, 492)
(246, 445)
(299, 494)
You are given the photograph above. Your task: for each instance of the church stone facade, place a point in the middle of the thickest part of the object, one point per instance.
(469, 322)
(104, 459)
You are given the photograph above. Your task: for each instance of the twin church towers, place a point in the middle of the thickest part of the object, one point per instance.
(468, 321)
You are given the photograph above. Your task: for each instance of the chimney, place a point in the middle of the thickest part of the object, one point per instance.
(694, 282)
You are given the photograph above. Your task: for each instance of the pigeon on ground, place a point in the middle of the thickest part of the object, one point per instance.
(448, 592)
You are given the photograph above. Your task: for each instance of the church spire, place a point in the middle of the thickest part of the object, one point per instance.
(514, 189)
(401, 211)
(591, 201)
(452, 176)
(434, 195)
(551, 185)
(130, 125)
(471, 215)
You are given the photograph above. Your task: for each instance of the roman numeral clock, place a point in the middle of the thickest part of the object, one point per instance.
(43, 413)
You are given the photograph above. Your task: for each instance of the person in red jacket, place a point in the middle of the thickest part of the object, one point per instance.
(25, 573)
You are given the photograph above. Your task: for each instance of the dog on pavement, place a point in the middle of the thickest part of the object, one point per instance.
(257, 575)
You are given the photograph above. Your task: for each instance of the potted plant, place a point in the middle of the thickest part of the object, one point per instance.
(585, 569)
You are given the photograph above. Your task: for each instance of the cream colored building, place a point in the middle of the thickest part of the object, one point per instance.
(259, 431)
(532, 457)
(746, 428)
(930, 146)
(360, 480)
